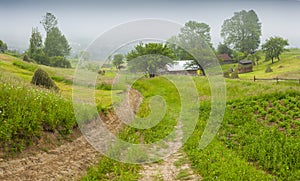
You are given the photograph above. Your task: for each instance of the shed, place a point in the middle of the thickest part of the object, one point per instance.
(245, 66)
(226, 59)
(181, 67)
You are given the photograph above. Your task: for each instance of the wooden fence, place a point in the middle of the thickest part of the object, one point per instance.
(277, 79)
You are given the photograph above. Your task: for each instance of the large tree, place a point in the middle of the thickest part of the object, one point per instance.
(193, 43)
(118, 60)
(56, 44)
(150, 57)
(242, 31)
(273, 47)
(49, 22)
(224, 49)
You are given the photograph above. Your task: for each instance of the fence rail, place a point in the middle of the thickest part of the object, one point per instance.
(277, 79)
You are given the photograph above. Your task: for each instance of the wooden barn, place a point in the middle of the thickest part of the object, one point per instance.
(245, 66)
(225, 58)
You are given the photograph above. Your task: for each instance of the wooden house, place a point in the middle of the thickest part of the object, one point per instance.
(245, 66)
(225, 58)
(182, 67)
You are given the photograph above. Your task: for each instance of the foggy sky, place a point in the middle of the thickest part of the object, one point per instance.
(83, 21)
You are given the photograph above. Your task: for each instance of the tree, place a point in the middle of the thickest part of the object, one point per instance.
(49, 22)
(193, 43)
(149, 58)
(3, 46)
(224, 49)
(56, 44)
(118, 60)
(242, 31)
(273, 47)
(35, 43)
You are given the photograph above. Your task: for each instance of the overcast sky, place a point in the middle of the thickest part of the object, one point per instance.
(82, 21)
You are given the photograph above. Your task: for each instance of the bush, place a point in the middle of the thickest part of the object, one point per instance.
(59, 61)
(268, 69)
(26, 112)
(41, 78)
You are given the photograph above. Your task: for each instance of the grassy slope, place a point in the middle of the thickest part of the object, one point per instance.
(287, 67)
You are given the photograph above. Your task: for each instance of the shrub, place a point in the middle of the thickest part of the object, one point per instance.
(268, 69)
(41, 78)
(59, 61)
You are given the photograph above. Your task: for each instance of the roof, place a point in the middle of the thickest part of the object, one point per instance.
(224, 56)
(245, 62)
(181, 66)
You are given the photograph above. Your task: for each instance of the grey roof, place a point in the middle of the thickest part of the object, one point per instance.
(245, 61)
(181, 65)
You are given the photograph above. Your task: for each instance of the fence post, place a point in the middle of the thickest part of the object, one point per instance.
(277, 79)
(254, 79)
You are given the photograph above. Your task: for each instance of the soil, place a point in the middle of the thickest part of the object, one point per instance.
(54, 159)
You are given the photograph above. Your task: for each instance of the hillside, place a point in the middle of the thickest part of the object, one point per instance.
(287, 67)
(257, 114)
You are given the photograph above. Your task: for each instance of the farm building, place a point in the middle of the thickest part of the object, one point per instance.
(181, 67)
(225, 58)
(245, 66)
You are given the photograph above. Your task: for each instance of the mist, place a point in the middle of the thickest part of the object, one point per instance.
(83, 21)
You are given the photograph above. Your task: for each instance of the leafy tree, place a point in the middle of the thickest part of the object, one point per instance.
(224, 49)
(49, 22)
(35, 43)
(118, 60)
(3, 46)
(194, 37)
(56, 44)
(236, 55)
(149, 58)
(242, 31)
(273, 47)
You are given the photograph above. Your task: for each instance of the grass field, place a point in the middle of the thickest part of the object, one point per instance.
(259, 138)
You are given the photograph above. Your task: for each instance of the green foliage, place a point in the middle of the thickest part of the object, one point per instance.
(25, 65)
(35, 44)
(25, 112)
(237, 55)
(56, 44)
(3, 46)
(108, 169)
(41, 78)
(242, 31)
(150, 57)
(251, 145)
(118, 60)
(273, 47)
(224, 49)
(193, 43)
(59, 61)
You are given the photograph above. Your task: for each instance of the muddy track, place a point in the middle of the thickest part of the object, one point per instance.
(69, 161)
